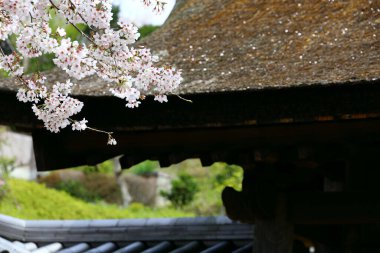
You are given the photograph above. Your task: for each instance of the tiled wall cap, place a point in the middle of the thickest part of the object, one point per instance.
(131, 222)
(76, 223)
(124, 229)
(161, 222)
(223, 220)
(43, 223)
(103, 223)
(8, 220)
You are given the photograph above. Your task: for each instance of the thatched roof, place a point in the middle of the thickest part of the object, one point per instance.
(240, 45)
(230, 45)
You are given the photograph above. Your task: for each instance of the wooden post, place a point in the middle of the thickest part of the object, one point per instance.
(261, 203)
(274, 235)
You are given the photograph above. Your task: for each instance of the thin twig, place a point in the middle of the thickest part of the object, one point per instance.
(184, 99)
(31, 17)
(80, 15)
(92, 129)
(99, 131)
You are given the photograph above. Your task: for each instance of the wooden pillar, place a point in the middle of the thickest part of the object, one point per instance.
(274, 235)
(260, 203)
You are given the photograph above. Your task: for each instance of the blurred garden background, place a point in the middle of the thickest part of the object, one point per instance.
(97, 192)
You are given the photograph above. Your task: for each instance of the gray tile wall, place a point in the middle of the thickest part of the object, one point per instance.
(157, 229)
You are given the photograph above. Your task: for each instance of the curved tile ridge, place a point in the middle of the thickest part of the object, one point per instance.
(50, 248)
(6, 245)
(11, 227)
(149, 229)
(11, 221)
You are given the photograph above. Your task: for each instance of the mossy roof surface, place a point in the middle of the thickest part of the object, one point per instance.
(237, 45)
(228, 45)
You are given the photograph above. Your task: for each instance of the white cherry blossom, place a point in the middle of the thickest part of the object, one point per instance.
(107, 53)
(80, 125)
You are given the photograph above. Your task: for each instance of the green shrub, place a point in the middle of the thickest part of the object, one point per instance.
(104, 186)
(3, 188)
(104, 167)
(77, 190)
(30, 200)
(7, 165)
(146, 30)
(227, 175)
(51, 180)
(183, 190)
(208, 200)
(90, 187)
(146, 168)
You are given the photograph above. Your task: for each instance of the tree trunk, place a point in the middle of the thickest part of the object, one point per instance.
(126, 196)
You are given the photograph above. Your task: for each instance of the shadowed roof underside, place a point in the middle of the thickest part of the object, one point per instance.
(229, 45)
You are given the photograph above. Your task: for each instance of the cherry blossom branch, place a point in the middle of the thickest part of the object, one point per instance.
(132, 72)
(19, 77)
(76, 27)
(3, 54)
(77, 125)
(81, 16)
(81, 125)
(71, 23)
(111, 140)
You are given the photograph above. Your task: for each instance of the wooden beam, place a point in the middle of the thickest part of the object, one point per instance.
(232, 145)
(357, 100)
(334, 207)
(308, 207)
